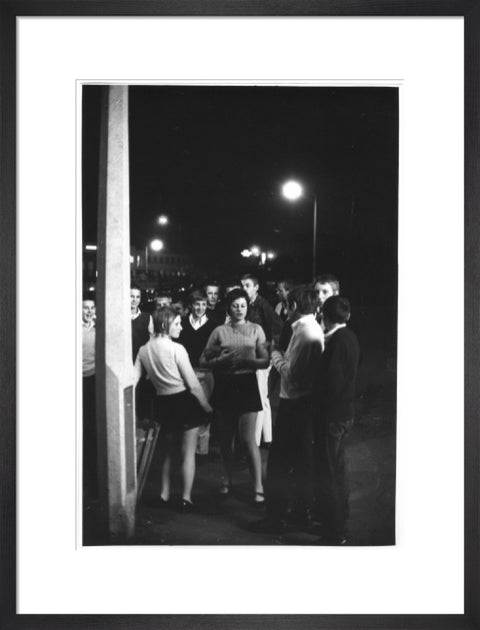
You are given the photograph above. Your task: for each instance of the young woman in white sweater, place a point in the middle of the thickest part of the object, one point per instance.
(180, 404)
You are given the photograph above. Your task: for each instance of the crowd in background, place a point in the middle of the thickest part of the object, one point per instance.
(224, 358)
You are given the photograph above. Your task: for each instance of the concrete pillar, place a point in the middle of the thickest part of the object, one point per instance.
(114, 378)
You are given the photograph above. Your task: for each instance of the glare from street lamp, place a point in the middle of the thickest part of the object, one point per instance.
(270, 255)
(162, 220)
(156, 245)
(246, 253)
(255, 250)
(292, 190)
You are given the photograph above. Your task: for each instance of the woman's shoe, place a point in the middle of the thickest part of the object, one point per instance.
(161, 503)
(259, 499)
(186, 506)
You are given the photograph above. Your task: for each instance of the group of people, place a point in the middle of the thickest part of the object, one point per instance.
(225, 359)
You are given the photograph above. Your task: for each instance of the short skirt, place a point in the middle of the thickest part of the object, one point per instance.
(236, 393)
(179, 412)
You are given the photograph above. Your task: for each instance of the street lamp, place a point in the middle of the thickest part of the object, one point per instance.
(162, 220)
(292, 191)
(257, 253)
(156, 245)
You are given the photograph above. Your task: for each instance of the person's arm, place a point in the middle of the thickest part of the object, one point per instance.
(213, 357)
(137, 370)
(301, 357)
(190, 378)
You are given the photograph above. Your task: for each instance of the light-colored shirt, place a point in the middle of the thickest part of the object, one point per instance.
(168, 368)
(245, 339)
(88, 349)
(197, 323)
(298, 365)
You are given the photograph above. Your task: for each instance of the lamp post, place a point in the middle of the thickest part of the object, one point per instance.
(292, 191)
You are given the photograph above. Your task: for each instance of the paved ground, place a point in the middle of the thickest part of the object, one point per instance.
(370, 461)
(218, 521)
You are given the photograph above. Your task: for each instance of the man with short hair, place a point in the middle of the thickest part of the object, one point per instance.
(196, 329)
(142, 324)
(261, 312)
(215, 309)
(292, 442)
(162, 298)
(334, 409)
(142, 329)
(89, 456)
(325, 285)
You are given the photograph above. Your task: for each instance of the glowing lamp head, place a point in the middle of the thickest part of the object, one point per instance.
(292, 190)
(163, 220)
(255, 250)
(156, 245)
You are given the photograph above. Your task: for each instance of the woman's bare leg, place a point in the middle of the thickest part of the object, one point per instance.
(227, 433)
(247, 425)
(189, 444)
(166, 459)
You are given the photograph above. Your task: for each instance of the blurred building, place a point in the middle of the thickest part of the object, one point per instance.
(149, 270)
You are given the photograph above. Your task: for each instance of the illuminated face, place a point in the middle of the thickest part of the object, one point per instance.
(238, 309)
(250, 288)
(212, 295)
(282, 292)
(175, 328)
(88, 311)
(135, 297)
(199, 308)
(164, 300)
(323, 291)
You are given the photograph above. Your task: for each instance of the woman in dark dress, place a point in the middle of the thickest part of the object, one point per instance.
(234, 352)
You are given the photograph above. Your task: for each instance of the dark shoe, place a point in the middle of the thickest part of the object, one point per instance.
(269, 526)
(158, 502)
(300, 519)
(186, 507)
(259, 500)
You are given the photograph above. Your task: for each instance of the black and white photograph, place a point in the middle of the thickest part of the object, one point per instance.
(239, 314)
(251, 395)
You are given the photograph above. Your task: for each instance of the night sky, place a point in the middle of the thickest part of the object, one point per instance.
(213, 160)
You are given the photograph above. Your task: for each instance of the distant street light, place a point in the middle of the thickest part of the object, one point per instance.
(292, 191)
(156, 245)
(162, 220)
(255, 251)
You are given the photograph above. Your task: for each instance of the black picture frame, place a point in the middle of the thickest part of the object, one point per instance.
(9, 11)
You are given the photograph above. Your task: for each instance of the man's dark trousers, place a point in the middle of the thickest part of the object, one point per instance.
(290, 458)
(331, 483)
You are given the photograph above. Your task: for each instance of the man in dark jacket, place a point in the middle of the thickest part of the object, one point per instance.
(334, 397)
